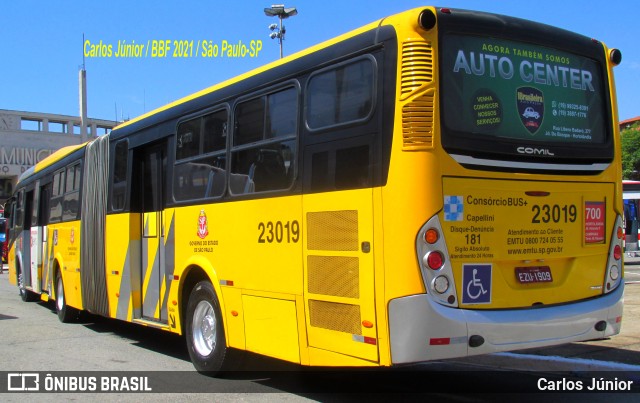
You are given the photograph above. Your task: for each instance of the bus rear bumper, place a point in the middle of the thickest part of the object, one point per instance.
(423, 330)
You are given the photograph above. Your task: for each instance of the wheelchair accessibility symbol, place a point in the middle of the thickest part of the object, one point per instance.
(476, 281)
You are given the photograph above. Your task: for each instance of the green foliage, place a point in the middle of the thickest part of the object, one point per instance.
(631, 152)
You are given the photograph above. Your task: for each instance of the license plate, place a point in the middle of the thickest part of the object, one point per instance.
(533, 274)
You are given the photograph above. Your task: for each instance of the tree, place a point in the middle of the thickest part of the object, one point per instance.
(631, 152)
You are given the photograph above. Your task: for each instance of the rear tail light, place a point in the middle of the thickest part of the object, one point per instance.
(437, 273)
(617, 252)
(431, 236)
(613, 276)
(434, 260)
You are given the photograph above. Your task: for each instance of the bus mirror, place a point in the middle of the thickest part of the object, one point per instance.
(615, 56)
(427, 19)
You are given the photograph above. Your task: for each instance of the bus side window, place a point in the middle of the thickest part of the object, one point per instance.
(341, 95)
(119, 178)
(198, 179)
(19, 210)
(55, 214)
(200, 170)
(264, 148)
(215, 132)
(27, 213)
(352, 168)
(344, 168)
(45, 203)
(339, 104)
(188, 144)
(71, 199)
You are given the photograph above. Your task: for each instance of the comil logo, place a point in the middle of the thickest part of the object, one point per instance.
(534, 151)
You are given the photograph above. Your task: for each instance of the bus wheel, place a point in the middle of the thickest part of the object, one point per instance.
(25, 295)
(205, 333)
(65, 313)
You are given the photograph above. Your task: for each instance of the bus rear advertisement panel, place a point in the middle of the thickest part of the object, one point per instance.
(521, 91)
(541, 242)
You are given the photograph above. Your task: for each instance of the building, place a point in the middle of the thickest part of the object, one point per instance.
(627, 123)
(28, 137)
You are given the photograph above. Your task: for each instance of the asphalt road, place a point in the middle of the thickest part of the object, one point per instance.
(35, 342)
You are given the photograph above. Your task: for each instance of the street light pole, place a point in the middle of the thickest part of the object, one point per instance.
(279, 10)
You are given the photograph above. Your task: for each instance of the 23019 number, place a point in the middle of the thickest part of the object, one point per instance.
(555, 213)
(279, 232)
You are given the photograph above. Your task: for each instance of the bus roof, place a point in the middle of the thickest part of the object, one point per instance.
(56, 156)
(52, 158)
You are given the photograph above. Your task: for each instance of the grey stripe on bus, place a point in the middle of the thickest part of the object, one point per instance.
(125, 288)
(169, 262)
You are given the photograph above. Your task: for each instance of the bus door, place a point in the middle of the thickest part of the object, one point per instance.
(44, 254)
(28, 240)
(36, 238)
(338, 248)
(151, 169)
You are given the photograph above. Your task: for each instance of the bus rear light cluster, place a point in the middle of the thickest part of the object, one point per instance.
(617, 249)
(437, 273)
(613, 276)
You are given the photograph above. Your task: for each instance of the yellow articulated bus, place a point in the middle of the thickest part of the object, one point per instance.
(439, 183)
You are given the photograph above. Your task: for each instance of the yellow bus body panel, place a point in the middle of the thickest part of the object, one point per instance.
(123, 231)
(339, 272)
(271, 327)
(66, 249)
(250, 253)
(235, 317)
(233, 246)
(11, 261)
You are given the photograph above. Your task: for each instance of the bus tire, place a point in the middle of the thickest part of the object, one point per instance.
(25, 295)
(206, 341)
(65, 313)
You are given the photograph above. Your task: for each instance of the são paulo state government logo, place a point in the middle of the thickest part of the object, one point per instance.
(203, 226)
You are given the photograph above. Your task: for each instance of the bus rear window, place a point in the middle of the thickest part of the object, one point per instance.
(521, 92)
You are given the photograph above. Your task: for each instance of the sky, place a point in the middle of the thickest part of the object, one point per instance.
(41, 45)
